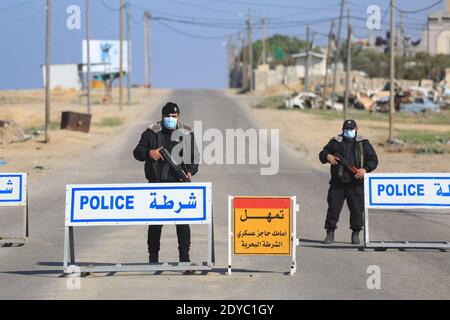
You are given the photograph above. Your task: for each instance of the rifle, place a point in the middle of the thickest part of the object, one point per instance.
(177, 168)
(346, 163)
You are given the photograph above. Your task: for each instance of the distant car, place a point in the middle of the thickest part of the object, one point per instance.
(302, 100)
(446, 92)
(420, 105)
(338, 106)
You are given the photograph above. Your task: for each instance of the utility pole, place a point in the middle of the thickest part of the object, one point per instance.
(239, 47)
(121, 55)
(250, 51)
(245, 65)
(263, 36)
(392, 72)
(88, 54)
(428, 35)
(330, 43)
(48, 47)
(400, 36)
(128, 56)
(333, 96)
(306, 86)
(229, 60)
(147, 49)
(239, 63)
(349, 67)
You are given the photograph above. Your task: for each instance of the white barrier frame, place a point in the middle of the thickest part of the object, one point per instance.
(69, 260)
(295, 242)
(22, 202)
(442, 245)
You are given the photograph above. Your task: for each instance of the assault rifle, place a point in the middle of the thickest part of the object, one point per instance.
(346, 163)
(177, 168)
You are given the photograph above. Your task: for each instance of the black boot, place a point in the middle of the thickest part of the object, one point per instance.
(153, 258)
(355, 237)
(184, 257)
(330, 237)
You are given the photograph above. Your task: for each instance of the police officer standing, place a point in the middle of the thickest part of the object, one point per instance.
(157, 136)
(343, 152)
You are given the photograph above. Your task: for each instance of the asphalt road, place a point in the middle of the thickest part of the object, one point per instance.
(324, 272)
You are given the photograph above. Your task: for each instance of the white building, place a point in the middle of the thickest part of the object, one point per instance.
(438, 33)
(64, 76)
(317, 64)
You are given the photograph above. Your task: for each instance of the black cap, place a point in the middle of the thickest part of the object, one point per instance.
(169, 108)
(349, 124)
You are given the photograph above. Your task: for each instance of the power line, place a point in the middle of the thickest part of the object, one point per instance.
(304, 12)
(32, 12)
(18, 5)
(193, 35)
(266, 5)
(420, 10)
(202, 7)
(109, 7)
(183, 17)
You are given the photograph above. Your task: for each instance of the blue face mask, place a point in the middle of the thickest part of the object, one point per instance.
(170, 123)
(350, 134)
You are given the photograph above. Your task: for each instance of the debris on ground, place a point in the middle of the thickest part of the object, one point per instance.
(11, 133)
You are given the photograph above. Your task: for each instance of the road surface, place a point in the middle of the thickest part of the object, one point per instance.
(338, 271)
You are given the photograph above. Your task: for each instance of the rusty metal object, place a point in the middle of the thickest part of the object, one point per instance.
(76, 121)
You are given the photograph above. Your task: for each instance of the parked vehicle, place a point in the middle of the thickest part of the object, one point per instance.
(420, 105)
(303, 100)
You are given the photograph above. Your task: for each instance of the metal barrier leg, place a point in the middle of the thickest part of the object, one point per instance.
(295, 210)
(66, 248)
(366, 227)
(71, 246)
(25, 222)
(230, 234)
(211, 242)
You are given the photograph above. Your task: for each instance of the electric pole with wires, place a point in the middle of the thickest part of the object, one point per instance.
(263, 37)
(128, 55)
(48, 48)
(88, 55)
(147, 50)
(338, 40)
(250, 52)
(348, 68)
(330, 47)
(392, 71)
(121, 55)
(307, 63)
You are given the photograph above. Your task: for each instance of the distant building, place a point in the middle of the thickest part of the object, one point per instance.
(317, 64)
(64, 76)
(436, 39)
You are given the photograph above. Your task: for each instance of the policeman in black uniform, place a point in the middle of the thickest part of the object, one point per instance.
(345, 185)
(156, 137)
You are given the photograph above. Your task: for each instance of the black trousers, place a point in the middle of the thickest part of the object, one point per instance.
(184, 241)
(337, 194)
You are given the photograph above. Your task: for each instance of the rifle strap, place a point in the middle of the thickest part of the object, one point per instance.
(361, 153)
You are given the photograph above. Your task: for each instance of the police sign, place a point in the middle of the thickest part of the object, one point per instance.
(397, 191)
(13, 189)
(138, 204)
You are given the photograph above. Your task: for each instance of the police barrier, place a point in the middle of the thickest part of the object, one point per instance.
(138, 204)
(13, 193)
(262, 226)
(405, 191)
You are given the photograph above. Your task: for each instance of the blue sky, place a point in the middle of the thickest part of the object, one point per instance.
(179, 61)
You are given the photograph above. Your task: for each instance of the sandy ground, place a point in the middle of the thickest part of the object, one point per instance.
(26, 110)
(308, 133)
